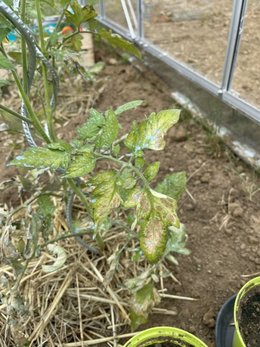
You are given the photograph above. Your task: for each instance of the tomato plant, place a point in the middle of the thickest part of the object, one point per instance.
(127, 185)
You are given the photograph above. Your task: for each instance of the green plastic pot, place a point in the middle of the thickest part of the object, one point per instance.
(238, 340)
(164, 334)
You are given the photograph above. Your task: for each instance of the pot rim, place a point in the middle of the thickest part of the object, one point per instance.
(254, 282)
(165, 331)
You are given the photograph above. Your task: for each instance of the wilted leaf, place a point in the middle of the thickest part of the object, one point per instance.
(5, 63)
(117, 41)
(144, 300)
(151, 171)
(79, 15)
(105, 195)
(61, 256)
(177, 238)
(173, 185)
(128, 106)
(81, 165)
(153, 238)
(41, 157)
(149, 134)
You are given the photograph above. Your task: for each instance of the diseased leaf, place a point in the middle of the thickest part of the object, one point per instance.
(131, 197)
(105, 195)
(173, 185)
(117, 41)
(149, 134)
(144, 300)
(81, 165)
(151, 171)
(5, 63)
(165, 207)
(109, 131)
(128, 106)
(42, 158)
(93, 125)
(126, 179)
(153, 238)
(79, 15)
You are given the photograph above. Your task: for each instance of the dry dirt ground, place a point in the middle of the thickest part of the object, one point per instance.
(195, 32)
(221, 210)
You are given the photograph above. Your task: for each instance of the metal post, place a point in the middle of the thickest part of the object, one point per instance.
(102, 9)
(140, 28)
(128, 19)
(235, 32)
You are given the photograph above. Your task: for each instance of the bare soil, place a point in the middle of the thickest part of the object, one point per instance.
(220, 208)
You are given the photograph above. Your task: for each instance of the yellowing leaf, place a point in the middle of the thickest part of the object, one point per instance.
(109, 131)
(153, 238)
(151, 171)
(42, 157)
(143, 301)
(149, 134)
(82, 164)
(105, 195)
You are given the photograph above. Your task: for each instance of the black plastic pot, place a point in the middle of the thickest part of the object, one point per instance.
(225, 327)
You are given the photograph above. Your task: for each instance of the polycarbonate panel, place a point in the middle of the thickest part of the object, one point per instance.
(114, 11)
(246, 81)
(194, 32)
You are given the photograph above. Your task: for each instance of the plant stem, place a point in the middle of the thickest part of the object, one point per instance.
(34, 119)
(24, 54)
(124, 164)
(13, 113)
(67, 38)
(79, 193)
(48, 110)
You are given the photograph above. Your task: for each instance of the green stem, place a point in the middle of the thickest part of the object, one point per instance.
(24, 54)
(79, 194)
(124, 164)
(48, 110)
(67, 38)
(34, 119)
(15, 114)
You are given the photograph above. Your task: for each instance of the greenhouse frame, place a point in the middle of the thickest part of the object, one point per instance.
(234, 115)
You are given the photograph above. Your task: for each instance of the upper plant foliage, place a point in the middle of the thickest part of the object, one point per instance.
(128, 184)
